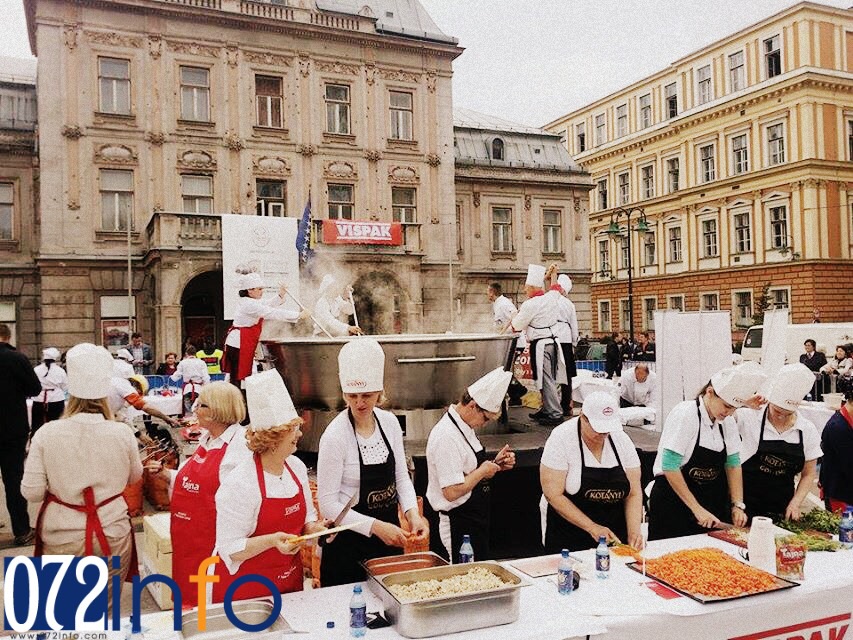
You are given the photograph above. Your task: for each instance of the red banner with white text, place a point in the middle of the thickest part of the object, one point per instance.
(362, 232)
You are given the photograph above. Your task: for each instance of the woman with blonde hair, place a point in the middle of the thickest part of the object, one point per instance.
(265, 502)
(78, 467)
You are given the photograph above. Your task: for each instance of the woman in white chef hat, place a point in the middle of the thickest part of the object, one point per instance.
(78, 467)
(361, 454)
(265, 502)
(777, 443)
(698, 481)
(331, 312)
(49, 404)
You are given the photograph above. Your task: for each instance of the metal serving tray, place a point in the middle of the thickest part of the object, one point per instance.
(394, 564)
(451, 614)
(219, 627)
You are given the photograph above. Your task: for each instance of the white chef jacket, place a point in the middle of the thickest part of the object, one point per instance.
(236, 453)
(119, 389)
(249, 311)
(749, 424)
(54, 383)
(503, 310)
(537, 317)
(331, 314)
(191, 369)
(338, 471)
(238, 503)
(70, 454)
(567, 322)
(638, 393)
(122, 368)
(449, 459)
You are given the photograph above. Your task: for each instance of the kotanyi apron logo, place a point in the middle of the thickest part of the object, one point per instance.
(832, 628)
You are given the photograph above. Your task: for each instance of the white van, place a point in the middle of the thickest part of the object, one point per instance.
(826, 335)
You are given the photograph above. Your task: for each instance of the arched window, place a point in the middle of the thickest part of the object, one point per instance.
(497, 149)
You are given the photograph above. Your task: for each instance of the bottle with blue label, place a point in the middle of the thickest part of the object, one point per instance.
(565, 579)
(357, 613)
(845, 529)
(466, 551)
(602, 559)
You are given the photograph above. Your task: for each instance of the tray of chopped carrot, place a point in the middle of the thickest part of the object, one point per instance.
(710, 575)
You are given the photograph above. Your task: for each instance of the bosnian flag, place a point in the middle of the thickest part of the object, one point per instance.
(305, 234)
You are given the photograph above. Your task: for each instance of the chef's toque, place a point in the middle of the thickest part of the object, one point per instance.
(251, 280)
(736, 385)
(89, 371)
(790, 386)
(535, 276)
(361, 366)
(565, 283)
(268, 400)
(489, 391)
(124, 354)
(51, 353)
(326, 284)
(122, 368)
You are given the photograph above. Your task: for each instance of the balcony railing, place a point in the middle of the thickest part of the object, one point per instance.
(266, 10)
(168, 230)
(204, 4)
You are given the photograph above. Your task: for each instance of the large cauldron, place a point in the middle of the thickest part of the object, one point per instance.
(427, 371)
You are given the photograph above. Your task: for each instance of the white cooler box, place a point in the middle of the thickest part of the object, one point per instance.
(157, 556)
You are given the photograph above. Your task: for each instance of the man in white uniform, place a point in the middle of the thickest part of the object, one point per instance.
(637, 386)
(331, 312)
(122, 365)
(192, 371)
(502, 307)
(567, 335)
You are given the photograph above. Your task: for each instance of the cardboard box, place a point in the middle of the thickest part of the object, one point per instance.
(158, 538)
(161, 593)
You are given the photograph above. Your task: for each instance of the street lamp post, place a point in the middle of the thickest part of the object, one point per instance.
(615, 230)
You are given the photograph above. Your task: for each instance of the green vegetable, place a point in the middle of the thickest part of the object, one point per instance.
(812, 543)
(816, 519)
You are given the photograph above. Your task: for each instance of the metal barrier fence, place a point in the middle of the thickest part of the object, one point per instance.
(164, 382)
(599, 365)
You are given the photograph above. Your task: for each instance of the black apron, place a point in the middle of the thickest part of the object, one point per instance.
(768, 476)
(378, 499)
(473, 517)
(705, 475)
(601, 497)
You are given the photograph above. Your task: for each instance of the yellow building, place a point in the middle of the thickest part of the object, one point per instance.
(738, 158)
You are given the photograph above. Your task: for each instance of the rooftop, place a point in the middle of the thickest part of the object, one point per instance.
(399, 17)
(469, 119)
(18, 70)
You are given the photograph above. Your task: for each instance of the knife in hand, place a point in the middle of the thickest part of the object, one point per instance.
(349, 505)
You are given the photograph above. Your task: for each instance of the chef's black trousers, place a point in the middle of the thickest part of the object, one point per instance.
(12, 455)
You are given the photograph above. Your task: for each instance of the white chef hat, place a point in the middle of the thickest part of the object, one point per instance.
(565, 282)
(790, 386)
(124, 354)
(535, 276)
(735, 385)
(51, 353)
(268, 400)
(89, 371)
(361, 366)
(489, 391)
(251, 280)
(326, 283)
(122, 368)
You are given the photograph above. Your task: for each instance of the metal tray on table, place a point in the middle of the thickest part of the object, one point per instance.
(377, 567)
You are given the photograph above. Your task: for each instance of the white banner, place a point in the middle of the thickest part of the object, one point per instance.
(773, 341)
(268, 245)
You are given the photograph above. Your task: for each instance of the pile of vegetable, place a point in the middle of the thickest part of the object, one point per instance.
(814, 543)
(814, 520)
(709, 572)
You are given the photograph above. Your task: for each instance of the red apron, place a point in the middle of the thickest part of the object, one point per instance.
(249, 338)
(94, 528)
(276, 514)
(193, 521)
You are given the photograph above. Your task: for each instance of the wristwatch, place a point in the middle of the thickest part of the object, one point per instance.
(739, 505)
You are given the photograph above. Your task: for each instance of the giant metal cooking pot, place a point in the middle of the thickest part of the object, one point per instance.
(426, 371)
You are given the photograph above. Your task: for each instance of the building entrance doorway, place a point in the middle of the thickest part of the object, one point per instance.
(202, 310)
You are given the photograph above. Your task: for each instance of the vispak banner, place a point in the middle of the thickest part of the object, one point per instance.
(362, 232)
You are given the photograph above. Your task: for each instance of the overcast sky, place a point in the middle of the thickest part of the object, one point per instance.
(531, 61)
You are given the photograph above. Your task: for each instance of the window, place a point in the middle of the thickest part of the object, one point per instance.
(602, 194)
(743, 232)
(780, 298)
(622, 120)
(17, 107)
(709, 239)
(675, 244)
(775, 144)
(709, 302)
(404, 205)
(626, 255)
(671, 96)
(116, 199)
(501, 229)
(624, 315)
(675, 302)
(649, 249)
(672, 174)
(114, 85)
(271, 198)
(772, 57)
(778, 227)
(497, 149)
(737, 77)
(580, 136)
(604, 257)
(647, 180)
(646, 110)
(650, 305)
(197, 194)
(740, 154)
(195, 94)
(459, 232)
(551, 231)
(341, 201)
(850, 139)
(703, 85)
(742, 305)
(268, 98)
(604, 323)
(707, 164)
(337, 109)
(624, 182)
(7, 209)
(401, 115)
(600, 130)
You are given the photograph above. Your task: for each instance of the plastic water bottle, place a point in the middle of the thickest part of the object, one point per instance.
(565, 578)
(602, 559)
(466, 551)
(845, 530)
(357, 613)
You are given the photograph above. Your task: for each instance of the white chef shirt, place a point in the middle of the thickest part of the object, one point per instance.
(681, 427)
(238, 503)
(450, 459)
(236, 453)
(749, 424)
(54, 383)
(119, 389)
(249, 311)
(538, 315)
(338, 471)
(330, 314)
(191, 369)
(503, 310)
(70, 454)
(567, 322)
(637, 393)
